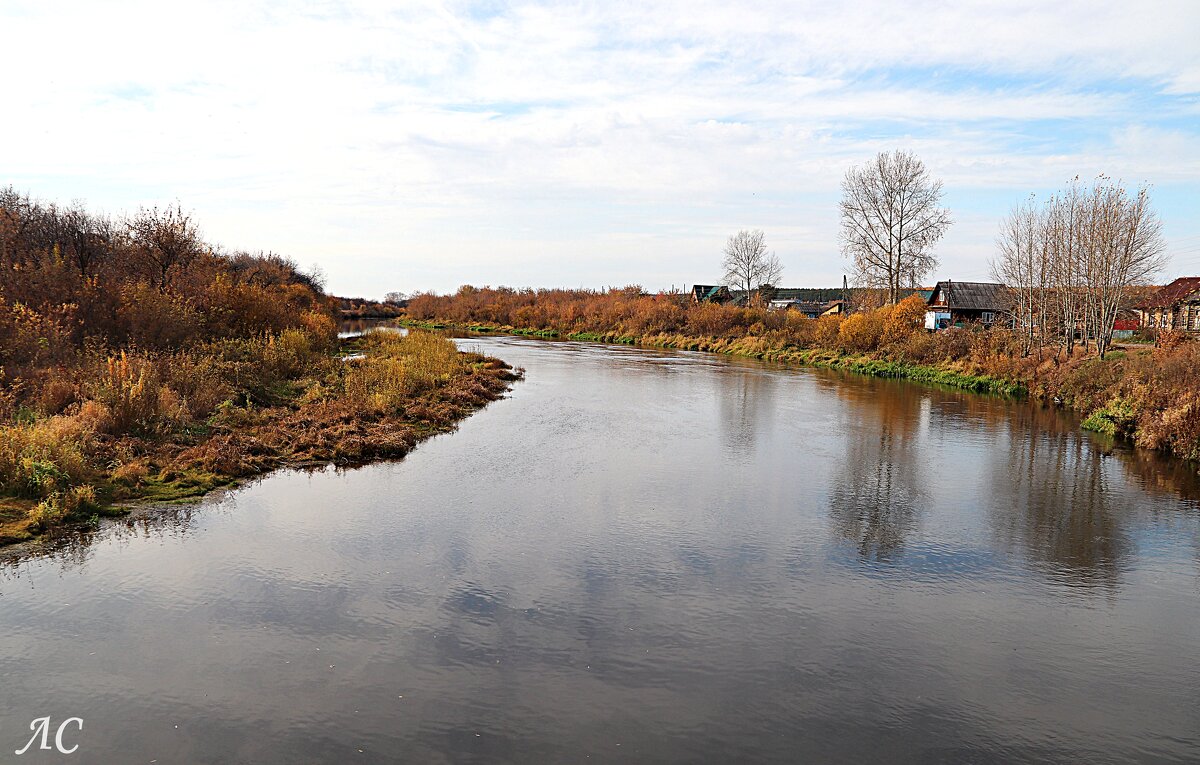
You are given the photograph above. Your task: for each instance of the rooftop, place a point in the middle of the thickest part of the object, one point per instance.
(1167, 296)
(980, 296)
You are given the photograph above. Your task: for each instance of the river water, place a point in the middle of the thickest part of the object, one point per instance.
(642, 556)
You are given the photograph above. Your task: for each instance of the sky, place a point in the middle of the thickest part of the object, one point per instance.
(424, 145)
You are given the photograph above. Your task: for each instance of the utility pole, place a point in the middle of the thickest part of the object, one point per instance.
(949, 308)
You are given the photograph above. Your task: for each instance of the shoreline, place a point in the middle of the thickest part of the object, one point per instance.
(250, 443)
(751, 347)
(1110, 415)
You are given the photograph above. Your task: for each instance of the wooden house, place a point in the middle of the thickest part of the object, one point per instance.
(1175, 306)
(710, 293)
(959, 303)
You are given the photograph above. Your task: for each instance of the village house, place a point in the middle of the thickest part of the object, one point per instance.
(813, 302)
(1175, 306)
(958, 303)
(710, 293)
(813, 309)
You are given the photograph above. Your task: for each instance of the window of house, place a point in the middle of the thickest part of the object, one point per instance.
(988, 317)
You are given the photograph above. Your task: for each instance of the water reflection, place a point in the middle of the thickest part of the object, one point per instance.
(747, 410)
(354, 327)
(645, 556)
(1055, 498)
(876, 505)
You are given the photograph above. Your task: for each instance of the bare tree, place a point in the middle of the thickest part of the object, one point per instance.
(167, 239)
(1062, 236)
(747, 263)
(891, 219)
(1021, 263)
(1073, 262)
(1125, 249)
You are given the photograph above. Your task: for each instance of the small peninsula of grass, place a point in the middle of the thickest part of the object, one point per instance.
(138, 362)
(130, 440)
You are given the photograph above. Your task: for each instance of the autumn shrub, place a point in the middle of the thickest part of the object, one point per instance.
(650, 316)
(905, 320)
(32, 338)
(1169, 340)
(710, 319)
(799, 329)
(826, 332)
(63, 504)
(130, 386)
(130, 473)
(861, 332)
(200, 380)
(151, 318)
(1089, 384)
(1162, 388)
(290, 354)
(55, 395)
(321, 328)
(951, 344)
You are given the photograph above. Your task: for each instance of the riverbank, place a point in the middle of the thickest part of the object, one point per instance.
(759, 348)
(1147, 396)
(369, 398)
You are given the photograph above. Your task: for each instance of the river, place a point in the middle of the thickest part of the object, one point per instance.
(642, 556)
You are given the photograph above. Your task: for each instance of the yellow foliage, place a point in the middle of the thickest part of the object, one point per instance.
(906, 319)
(861, 332)
(396, 367)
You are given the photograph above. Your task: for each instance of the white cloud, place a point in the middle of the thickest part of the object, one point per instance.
(426, 144)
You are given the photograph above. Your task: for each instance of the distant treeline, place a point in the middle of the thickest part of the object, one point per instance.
(71, 279)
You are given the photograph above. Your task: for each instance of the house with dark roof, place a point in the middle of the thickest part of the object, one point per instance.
(710, 293)
(957, 303)
(813, 302)
(1175, 306)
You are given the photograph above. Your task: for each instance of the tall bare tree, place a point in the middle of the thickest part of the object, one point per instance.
(1125, 249)
(89, 238)
(1022, 264)
(1073, 262)
(891, 219)
(747, 263)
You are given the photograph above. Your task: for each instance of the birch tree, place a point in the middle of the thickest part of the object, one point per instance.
(747, 263)
(1022, 263)
(1125, 248)
(1072, 262)
(891, 220)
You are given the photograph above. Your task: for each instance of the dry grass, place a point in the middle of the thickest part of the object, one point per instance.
(166, 426)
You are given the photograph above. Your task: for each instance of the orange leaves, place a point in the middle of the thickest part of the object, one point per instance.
(906, 319)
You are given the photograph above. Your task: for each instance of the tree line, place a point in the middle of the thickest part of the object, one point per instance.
(71, 279)
(1073, 262)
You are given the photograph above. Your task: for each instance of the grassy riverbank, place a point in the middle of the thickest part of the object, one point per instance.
(138, 361)
(1149, 395)
(755, 348)
(287, 400)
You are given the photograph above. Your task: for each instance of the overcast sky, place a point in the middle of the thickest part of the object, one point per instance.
(418, 146)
